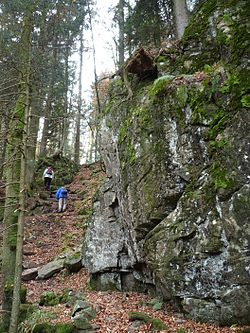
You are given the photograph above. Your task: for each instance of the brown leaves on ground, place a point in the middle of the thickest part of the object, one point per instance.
(50, 234)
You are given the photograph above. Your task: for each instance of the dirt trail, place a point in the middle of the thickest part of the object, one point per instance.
(48, 233)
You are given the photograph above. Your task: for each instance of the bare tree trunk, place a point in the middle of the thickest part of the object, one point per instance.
(121, 5)
(47, 113)
(50, 93)
(79, 106)
(33, 136)
(64, 132)
(180, 16)
(94, 60)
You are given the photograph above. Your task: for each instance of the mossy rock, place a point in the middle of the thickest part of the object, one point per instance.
(139, 316)
(51, 299)
(156, 304)
(157, 324)
(58, 328)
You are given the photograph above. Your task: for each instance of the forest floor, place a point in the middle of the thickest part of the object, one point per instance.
(49, 233)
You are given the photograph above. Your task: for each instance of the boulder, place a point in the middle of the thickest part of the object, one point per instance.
(50, 269)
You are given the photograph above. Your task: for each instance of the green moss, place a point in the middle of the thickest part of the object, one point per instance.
(12, 235)
(182, 95)
(156, 304)
(199, 23)
(44, 328)
(49, 328)
(123, 130)
(158, 325)
(218, 124)
(230, 83)
(52, 299)
(139, 316)
(218, 145)
(245, 101)
(220, 177)
(109, 124)
(160, 85)
(64, 328)
(131, 153)
(49, 299)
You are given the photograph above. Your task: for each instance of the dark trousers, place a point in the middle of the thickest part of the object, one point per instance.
(47, 182)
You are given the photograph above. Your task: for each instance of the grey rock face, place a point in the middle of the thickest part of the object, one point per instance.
(174, 211)
(50, 269)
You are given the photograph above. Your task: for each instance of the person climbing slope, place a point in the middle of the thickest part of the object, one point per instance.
(48, 175)
(62, 197)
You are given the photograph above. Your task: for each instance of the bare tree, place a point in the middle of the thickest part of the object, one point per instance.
(180, 16)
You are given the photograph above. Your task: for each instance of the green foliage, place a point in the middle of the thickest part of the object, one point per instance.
(146, 24)
(245, 101)
(218, 144)
(230, 83)
(38, 316)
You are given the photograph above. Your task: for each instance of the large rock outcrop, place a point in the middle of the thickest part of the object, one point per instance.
(174, 212)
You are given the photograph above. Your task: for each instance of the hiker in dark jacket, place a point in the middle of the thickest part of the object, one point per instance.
(62, 197)
(48, 175)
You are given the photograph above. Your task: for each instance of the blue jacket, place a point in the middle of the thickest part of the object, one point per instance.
(61, 193)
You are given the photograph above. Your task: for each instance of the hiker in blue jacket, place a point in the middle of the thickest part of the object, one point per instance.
(62, 197)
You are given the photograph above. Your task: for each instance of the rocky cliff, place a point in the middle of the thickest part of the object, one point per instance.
(173, 215)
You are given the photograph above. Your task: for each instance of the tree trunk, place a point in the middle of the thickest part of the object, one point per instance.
(64, 129)
(50, 94)
(13, 194)
(23, 184)
(180, 17)
(3, 142)
(79, 107)
(121, 5)
(94, 60)
(33, 136)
